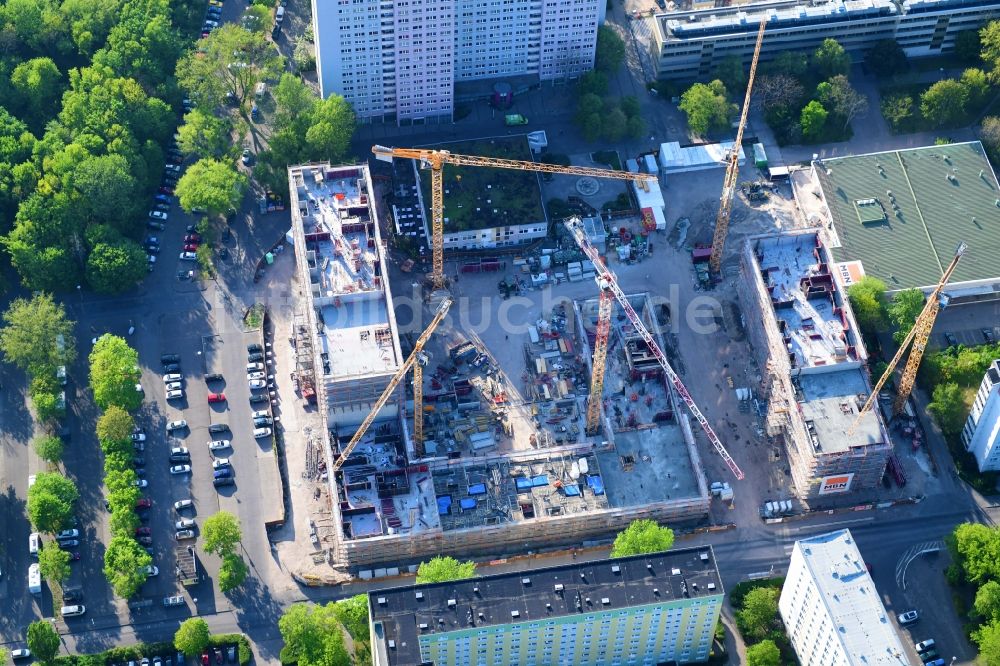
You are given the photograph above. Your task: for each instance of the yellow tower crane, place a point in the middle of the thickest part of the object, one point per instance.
(435, 161)
(918, 335)
(415, 360)
(733, 168)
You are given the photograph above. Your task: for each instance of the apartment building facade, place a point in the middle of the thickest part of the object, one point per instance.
(690, 44)
(981, 435)
(400, 59)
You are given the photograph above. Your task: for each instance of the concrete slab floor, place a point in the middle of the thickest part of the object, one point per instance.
(660, 468)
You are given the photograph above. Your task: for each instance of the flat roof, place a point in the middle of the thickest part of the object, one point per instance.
(902, 213)
(830, 403)
(852, 602)
(404, 614)
(482, 197)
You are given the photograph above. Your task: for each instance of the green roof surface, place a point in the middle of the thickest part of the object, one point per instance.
(940, 195)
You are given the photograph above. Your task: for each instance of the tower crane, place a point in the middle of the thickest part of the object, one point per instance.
(436, 159)
(733, 168)
(918, 335)
(609, 285)
(415, 360)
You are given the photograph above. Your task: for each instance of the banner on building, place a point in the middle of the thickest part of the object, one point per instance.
(839, 483)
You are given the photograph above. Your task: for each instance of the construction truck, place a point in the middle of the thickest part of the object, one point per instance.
(513, 119)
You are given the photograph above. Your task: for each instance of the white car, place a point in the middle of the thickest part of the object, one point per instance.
(180, 505)
(254, 366)
(188, 256)
(31, 479)
(257, 383)
(180, 469)
(220, 463)
(185, 534)
(67, 534)
(256, 375)
(174, 386)
(184, 524)
(218, 444)
(140, 483)
(261, 414)
(151, 570)
(172, 395)
(138, 388)
(172, 377)
(180, 424)
(261, 432)
(172, 167)
(211, 24)
(20, 653)
(139, 437)
(157, 215)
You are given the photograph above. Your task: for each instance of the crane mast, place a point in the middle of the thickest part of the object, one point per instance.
(733, 168)
(412, 361)
(604, 305)
(610, 284)
(918, 335)
(435, 161)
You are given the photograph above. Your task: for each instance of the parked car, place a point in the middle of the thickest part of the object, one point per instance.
(180, 469)
(224, 481)
(163, 189)
(144, 503)
(257, 397)
(69, 543)
(153, 224)
(171, 367)
(188, 256)
(173, 386)
(988, 335)
(192, 238)
(909, 617)
(191, 247)
(924, 646)
(171, 168)
(179, 424)
(171, 377)
(257, 384)
(222, 473)
(252, 367)
(67, 534)
(254, 347)
(158, 215)
(175, 394)
(143, 531)
(218, 427)
(170, 358)
(184, 524)
(247, 157)
(22, 653)
(218, 444)
(162, 198)
(180, 505)
(176, 600)
(185, 534)
(262, 413)
(256, 356)
(255, 375)
(221, 463)
(262, 422)
(180, 453)
(162, 207)
(261, 432)
(140, 483)
(138, 437)
(214, 377)
(216, 397)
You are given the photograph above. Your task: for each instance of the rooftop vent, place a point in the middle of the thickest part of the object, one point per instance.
(615, 568)
(422, 625)
(656, 591)
(548, 606)
(703, 557)
(451, 602)
(675, 572)
(649, 566)
(420, 595)
(559, 587)
(711, 586)
(476, 589)
(392, 644)
(515, 613)
(382, 601)
(605, 600)
(525, 581)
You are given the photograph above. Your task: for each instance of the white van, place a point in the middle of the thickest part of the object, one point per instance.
(61, 375)
(279, 15)
(35, 579)
(73, 611)
(34, 543)
(260, 90)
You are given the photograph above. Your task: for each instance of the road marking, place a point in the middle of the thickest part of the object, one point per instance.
(841, 522)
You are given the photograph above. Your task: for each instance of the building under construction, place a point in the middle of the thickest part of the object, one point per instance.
(815, 380)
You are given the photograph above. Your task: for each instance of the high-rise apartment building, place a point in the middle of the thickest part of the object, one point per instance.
(645, 609)
(400, 59)
(832, 612)
(981, 434)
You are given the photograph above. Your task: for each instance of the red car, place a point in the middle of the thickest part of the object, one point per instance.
(191, 247)
(192, 238)
(145, 540)
(144, 503)
(166, 190)
(216, 397)
(205, 661)
(143, 531)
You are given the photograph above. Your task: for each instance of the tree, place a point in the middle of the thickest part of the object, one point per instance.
(944, 103)
(212, 185)
(125, 563)
(765, 653)
(232, 573)
(813, 120)
(830, 59)
(706, 107)
(792, 63)
(989, 134)
(221, 533)
(989, 39)
(589, 116)
(948, 407)
(976, 550)
(204, 134)
(593, 83)
(732, 72)
(109, 191)
(440, 569)
(903, 311)
(760, 608)
(49, 448)
(257, 17)
(332, 126)
(192, 636)
(303, 56)
(896, 109)
(313, 636)
(774, 91)
(114, 372)
(43, 640)
(352, 613)
(115, 425)
(610, 51)
(112, 269)
(53, 562)
(977, 86)
(642, 536)
(967, 46)
(31, 335)
(886, 58)
(987, 604)
(51, 501)
(615, 124)
(987, 638)
(847, 102)
(39, 83)
(867, 297)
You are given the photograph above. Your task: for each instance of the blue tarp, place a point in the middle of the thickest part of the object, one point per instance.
(522, 483)
(596, 484)
(572, 490)
(444, 504)
(540, 480)
(468, 503)
(477, 489)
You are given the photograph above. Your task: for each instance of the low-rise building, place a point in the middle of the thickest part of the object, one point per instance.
(981, 434)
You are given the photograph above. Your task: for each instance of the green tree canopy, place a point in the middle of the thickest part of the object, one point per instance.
(109, 192)
(976, 550)
(642, 536)
(977, 85)
(313, 636)
(732, 72)
(212, 185)
(221, 533)
(944, 103)
(332, 126)
(987, 604)
(53, 562)
(887, 58)
(118, 267)
(989, 38)
(51, 501)
(760, 608)
(706, 106)
(114, 372)
(115, 425)
(192, 637)
(989, 134)
(903, 311)
(125, 563)
(43, 641)
(592, 83)
(948, 407)
(204, 134)
(440, 569)
(31, 333)
(987, 638)
(232, 573)
(765, 653)
(610, 52)
(867, 297)
(813, 120)
(352, 613)
(845, 101)
(49, 448)
(38, 83)
(967, 46)
(830, 59)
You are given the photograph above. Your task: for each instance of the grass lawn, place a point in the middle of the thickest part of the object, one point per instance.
(480, 197)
